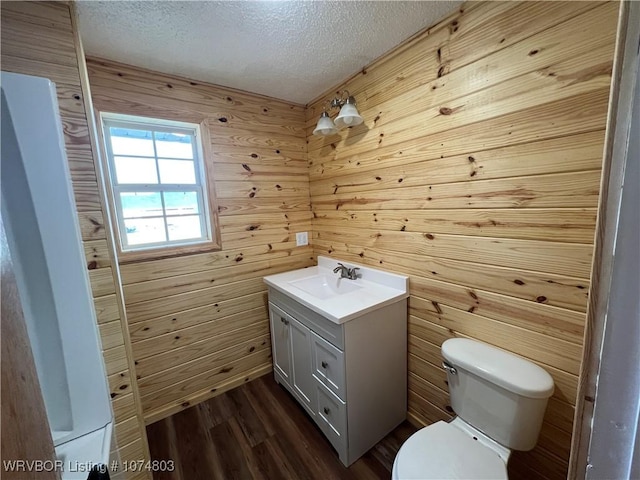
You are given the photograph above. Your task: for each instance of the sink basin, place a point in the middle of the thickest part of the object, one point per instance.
(325, 287)
(339, 299)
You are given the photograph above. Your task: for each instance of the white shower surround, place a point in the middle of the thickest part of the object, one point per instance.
(43, 234)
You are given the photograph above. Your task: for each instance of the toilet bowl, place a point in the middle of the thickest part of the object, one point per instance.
(499, 399)
(450, 450)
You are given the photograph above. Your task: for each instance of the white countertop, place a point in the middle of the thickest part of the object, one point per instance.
(378, 289)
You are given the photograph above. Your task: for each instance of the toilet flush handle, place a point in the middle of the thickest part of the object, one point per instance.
(449, 368)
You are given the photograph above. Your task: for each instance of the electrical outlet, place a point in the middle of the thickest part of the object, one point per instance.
(302, 239)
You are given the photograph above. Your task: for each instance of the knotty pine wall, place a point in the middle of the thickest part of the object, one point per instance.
(199, 323)
(476, 172)
(40, 38)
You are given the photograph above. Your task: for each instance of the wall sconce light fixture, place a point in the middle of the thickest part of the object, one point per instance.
(348, 116)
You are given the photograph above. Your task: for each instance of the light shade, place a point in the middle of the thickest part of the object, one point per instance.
(348, 116)
(325, 126)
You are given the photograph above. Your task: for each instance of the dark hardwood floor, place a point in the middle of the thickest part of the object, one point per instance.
(258, 431)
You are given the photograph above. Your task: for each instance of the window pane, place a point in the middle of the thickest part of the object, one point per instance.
(145, 230)
(158, 191)
(136, 170)
(183, 228)
(141, 204)
(177, 171)
(181, 203)
(127, 141)
(173, 145)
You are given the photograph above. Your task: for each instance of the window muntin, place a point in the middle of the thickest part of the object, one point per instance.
(158, 182)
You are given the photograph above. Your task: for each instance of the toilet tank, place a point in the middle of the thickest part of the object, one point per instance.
(502, 395)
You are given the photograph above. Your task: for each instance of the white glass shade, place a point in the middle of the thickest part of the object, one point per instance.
(348, 116)
(325, 126)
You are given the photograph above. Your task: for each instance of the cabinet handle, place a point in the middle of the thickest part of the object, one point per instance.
(326, 410)
(324, 364)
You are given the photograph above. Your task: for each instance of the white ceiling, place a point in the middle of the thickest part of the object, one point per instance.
(293, 50)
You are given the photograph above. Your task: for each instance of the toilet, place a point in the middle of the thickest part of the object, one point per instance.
(499, 399)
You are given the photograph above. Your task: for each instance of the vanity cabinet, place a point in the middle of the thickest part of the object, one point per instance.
(351, 378)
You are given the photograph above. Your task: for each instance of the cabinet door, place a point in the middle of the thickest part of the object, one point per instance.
(303, 381)
(280, 342)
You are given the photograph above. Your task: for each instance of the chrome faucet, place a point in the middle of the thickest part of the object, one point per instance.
(345, 272)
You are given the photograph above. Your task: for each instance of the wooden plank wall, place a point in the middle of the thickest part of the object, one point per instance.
(477, 173)
(39, 38)
(199, 323)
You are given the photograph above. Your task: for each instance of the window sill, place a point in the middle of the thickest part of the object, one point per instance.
(158, 253)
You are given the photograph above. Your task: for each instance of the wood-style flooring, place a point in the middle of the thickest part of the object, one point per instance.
(258, 431)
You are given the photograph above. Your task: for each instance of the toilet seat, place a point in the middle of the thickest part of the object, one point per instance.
(443, 451)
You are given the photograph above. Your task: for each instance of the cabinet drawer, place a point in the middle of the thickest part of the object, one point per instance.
(332, 416)
(328, 365)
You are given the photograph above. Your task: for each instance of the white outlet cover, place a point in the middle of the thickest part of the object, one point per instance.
(302, 239)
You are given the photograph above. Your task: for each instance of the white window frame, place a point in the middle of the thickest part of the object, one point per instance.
(200, 187)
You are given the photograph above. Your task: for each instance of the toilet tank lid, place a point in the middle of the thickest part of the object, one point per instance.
(505, 369)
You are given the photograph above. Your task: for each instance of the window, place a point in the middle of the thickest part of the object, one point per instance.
(158, 182)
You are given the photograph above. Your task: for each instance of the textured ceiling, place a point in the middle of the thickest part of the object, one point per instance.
(293, 50)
